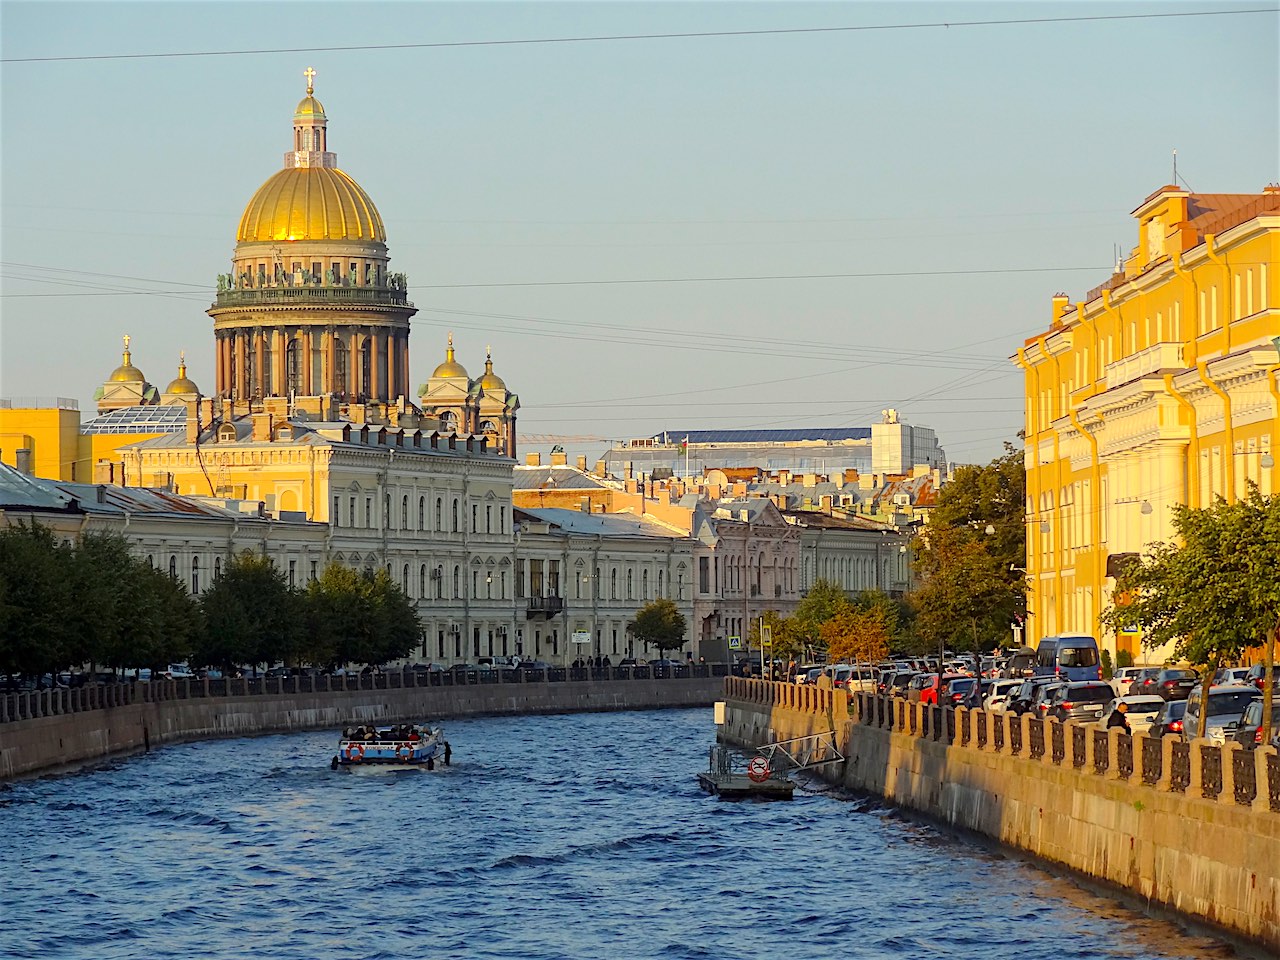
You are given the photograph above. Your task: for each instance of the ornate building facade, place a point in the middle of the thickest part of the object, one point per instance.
(1157, 388)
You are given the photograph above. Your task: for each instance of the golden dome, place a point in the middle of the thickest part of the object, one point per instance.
(490, 380)
(450, 367)
(126, 372)
(181, 384)
(311, 203)
(309, 106)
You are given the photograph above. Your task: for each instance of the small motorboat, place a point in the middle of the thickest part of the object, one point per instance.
(401, 746)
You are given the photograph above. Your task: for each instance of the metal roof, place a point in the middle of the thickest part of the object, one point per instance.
(603, 524)
(554, 478)
(19, 490)
(150, 419)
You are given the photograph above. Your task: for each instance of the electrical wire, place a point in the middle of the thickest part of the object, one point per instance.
(693, 35)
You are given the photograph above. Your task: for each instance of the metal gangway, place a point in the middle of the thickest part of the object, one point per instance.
(803, 753)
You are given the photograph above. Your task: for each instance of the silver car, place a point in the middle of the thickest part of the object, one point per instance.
(1226, 704)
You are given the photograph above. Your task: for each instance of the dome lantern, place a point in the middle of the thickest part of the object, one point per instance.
(450, 367)
(127, 372)
(491, 382)
(181, 384)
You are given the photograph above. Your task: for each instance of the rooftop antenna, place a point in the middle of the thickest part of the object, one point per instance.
(1175, 165)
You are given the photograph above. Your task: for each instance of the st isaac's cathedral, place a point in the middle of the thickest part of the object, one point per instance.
(312, 411)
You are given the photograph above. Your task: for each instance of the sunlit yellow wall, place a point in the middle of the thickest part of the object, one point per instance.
(50, 433)
(1126, 399)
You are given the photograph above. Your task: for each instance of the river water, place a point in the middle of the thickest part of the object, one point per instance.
(579, 836)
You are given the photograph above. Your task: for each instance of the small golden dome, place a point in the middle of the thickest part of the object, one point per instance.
(490, 380)
(126, 372)
(309, 106)
(450, 367)
(311, 203)
(181, 384)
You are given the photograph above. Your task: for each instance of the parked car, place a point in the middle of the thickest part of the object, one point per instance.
(959, 691)
(915, 688)
(1256, 674)
(1145, 681)
(1021, 664)
(929, 693)
(1231, 676)
(1142, 712)
(1122, 679)
(1175, 684)
(1226, 704)
(998, 693)
(1042, 699)
(1168, 719)
(1083, 700)
(1021, 699)
(1248, 730)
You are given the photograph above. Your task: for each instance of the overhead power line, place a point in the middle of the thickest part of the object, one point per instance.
(699, 35)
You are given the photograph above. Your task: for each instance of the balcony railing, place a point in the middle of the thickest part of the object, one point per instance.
(545, 606)
(293, 296)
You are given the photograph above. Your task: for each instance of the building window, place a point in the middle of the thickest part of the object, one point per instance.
(455, 515)
(704, 574)
(457, 581)
(613, 584)
(644, 584)
(422, 513)
(293, 572)
(502, 519)
(520, 578)
(368, 511)
(173, 567)
(314, 565)
(488, 518)
(630, 591)
(404, 579)
(351, 512)
(422, 580)
(404, 513)
(475, 524)
(195, 574)
(660, 579)
(337, 517)
(439, 514)
(217, 567)
(439, 582)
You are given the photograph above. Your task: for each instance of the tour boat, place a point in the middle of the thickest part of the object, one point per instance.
(402, 746)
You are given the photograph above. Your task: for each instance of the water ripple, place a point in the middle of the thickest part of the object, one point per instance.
(550, 838)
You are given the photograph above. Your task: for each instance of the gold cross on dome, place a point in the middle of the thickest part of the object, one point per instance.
(310, 74)
(126, 341)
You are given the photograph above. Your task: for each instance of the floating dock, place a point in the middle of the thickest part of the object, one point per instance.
(734, 775)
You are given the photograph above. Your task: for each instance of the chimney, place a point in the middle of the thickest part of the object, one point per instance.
(228, 410)
(533, 459)
(193, 418)
(585, 504)
(628, 470)
(22, 460)
(559, 458)
(582, 462)
(262, 427)
(600, 468)
(104, 471)
(825, 502)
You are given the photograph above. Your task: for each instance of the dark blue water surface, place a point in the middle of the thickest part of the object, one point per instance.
(550, 837)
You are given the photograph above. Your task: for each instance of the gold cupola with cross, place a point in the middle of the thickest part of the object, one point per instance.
(311, 308)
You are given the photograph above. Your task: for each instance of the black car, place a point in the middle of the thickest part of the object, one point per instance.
(1145, 682)
(1174, 684)
(1021, 700)
(1084, 700)
(1169, 719)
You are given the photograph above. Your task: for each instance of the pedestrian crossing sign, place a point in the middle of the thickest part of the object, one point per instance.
(735, 643)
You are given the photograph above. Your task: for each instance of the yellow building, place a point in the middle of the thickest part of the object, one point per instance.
(1157, 388)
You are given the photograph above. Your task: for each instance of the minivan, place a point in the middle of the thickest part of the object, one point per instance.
(1069, 657)
(1226, 705)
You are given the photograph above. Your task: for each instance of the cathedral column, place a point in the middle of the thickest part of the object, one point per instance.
(353, 364)
(331, 361)
(402, 355)
(375, 374)
(242, 365)
(307, 362)
(259, 340)
(279, 361)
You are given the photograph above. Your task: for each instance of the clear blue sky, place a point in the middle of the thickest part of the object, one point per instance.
(1014, 148)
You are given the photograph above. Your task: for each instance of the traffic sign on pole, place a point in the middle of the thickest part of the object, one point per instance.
(735, 643)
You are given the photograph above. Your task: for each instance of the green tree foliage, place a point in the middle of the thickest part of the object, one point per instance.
(824, 601)
(251, 615)
(785, 643)
(1213, 594)
(36, 600)
(972, 586)
(857, 634)
(357, 618)
(660, 623)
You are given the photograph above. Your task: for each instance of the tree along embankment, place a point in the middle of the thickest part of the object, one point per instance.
(46, 730)
(1192, 827)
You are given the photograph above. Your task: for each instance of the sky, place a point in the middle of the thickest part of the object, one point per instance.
(755, 229)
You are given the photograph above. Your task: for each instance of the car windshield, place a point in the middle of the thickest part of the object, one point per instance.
(959, 686)
(1077, 656)
(1229, 704)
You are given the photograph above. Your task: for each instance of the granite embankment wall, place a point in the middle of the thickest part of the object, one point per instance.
(51, 729)
(1193, 827)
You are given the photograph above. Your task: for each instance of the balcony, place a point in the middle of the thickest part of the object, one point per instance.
(313, 295)
(544, 607)
(1160, 358)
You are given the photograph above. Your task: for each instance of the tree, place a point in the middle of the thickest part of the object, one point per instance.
(250, 615)
(357, 618)
(857, 634)
(1215, 593)
(37, 634)
(783, 640)
(824, 600)
(660, 623)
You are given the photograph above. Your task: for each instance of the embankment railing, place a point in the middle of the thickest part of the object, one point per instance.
(1229, 774)
(30, 704)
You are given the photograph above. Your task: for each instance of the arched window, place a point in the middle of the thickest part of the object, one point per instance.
(660, 578)
(644, 584)
(630, 585)
(457, 581)
(151, 561)
(439, 513)
(448, 422)
(404, 579)
(422, 581)
(366, 369)
(488, 518)
(404, 513)
(613, 584)
(440, 582)
(173, 567)
(217, 567)
(422, 513)
(195, 574)
(455, 516)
